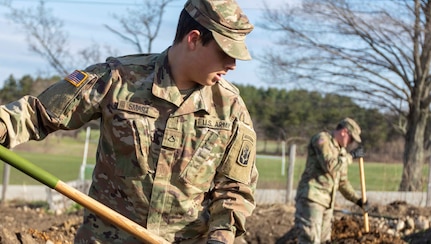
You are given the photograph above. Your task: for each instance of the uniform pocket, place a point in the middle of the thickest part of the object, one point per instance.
(132, 149)
(200, 171)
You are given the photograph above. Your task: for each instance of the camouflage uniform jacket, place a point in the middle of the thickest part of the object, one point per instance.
(326, 172)
(184, 169)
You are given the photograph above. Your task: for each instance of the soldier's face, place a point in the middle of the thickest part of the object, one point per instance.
(212, 63)
(345, 138)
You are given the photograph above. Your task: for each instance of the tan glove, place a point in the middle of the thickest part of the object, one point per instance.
(3, 132)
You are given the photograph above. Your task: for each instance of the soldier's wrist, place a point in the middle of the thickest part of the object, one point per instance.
(3, 132)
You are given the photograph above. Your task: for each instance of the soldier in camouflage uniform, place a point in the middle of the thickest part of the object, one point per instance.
(325, 173)
(176, 152)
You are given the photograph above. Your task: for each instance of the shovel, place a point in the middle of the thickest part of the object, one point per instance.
(54, 183)
(364, 195)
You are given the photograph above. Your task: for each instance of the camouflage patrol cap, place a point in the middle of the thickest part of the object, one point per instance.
(353, 127)
(228, 24)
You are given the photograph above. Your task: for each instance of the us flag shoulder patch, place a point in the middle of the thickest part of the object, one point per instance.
(76, 78)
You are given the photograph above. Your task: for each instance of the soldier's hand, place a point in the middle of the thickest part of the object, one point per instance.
(3, 132)
(364, 205)
(358, 152)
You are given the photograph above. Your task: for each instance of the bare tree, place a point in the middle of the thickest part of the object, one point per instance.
(141, 26)
(47, 38)
(96, 52)
(45, 34)
(377, 52)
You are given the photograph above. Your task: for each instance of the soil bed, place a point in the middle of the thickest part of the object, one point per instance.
(30, 223)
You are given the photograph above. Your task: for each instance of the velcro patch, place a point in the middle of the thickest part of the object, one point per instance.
(240, 154)
(172, 139)
(138, 108)
(247, 148)
(76, 78)
(214, 124)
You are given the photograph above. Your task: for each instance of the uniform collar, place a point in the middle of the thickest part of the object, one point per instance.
(334, 141)
(165, 88)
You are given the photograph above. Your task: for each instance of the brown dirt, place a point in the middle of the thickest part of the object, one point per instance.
(274, 224)
(30, 223)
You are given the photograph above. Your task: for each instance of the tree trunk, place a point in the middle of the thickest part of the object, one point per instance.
(414, 150)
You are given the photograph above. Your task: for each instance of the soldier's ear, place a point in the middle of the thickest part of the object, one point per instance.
(193, 38)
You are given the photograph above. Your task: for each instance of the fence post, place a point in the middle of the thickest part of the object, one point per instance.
(290, 173)
(283, 158)
(6, 174)
(84, 157)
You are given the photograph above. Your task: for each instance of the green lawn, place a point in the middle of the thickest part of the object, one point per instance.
(63, 157)
(60, 156)
(66, 168)
(378, 176)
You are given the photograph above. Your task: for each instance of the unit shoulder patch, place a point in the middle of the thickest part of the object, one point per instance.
(240, 155)
(246, 150)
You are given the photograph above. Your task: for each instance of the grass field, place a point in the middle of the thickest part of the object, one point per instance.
(378, 176)
(63, 158)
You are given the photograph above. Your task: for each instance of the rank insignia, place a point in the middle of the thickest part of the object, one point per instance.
(76, 78)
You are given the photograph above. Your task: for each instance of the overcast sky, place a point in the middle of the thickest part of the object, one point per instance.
(84, 22)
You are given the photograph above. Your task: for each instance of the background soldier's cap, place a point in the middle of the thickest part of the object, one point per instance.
(353, 128)
(228, 24)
